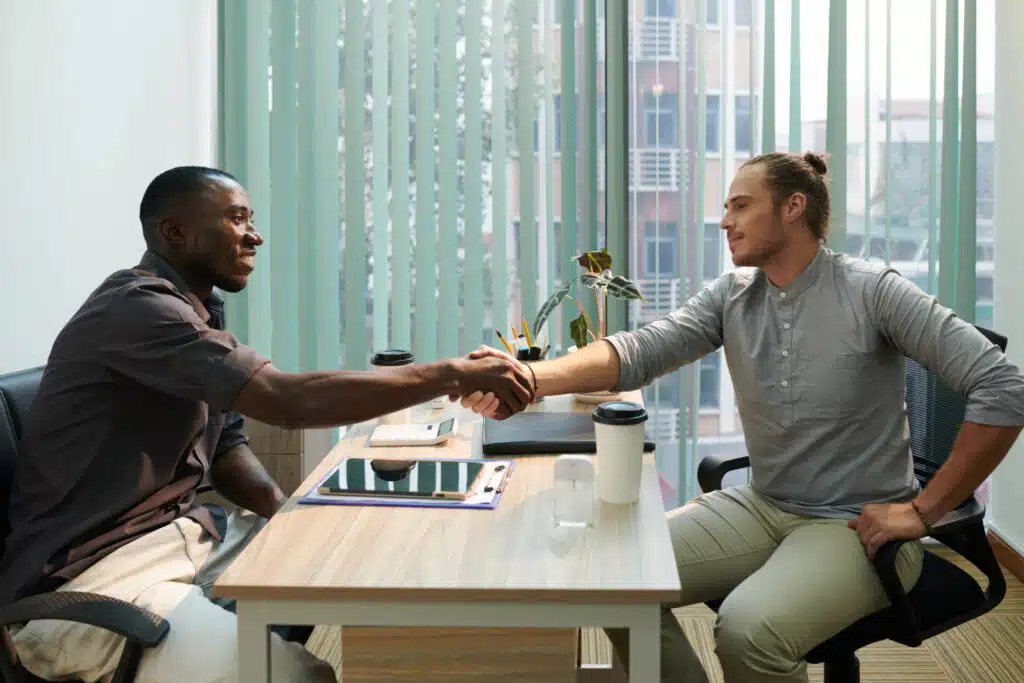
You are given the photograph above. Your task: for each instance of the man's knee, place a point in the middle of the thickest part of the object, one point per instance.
(748, 639)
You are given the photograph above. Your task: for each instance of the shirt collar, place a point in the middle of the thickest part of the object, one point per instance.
(805, 279)
(213, 307)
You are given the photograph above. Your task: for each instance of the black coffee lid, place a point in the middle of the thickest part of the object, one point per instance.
(392, 357)
(620, 413)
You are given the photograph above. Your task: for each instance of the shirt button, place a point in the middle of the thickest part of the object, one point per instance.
(785, 354)
(786, 326)
(785, 383)
(782, 295)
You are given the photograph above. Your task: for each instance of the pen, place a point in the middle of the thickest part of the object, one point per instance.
(544, 353)
(526, 331)
(497, 332)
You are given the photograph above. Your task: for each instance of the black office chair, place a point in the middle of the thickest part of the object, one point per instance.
(945, 596)
(142, 629)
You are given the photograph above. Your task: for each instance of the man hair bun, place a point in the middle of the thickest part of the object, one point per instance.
(817, 162)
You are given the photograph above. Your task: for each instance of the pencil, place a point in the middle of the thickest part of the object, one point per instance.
(526, 330)
(515, 335)
(497, 332)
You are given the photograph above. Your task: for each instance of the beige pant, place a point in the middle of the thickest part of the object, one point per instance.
(789, 583)
(169, 572)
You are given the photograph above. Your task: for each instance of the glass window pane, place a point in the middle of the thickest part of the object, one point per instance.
(713, 124)
(744, 13)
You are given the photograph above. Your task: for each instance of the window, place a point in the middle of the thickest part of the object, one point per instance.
(660, 126)
(744, 143)
(712, 250)
(713, 11)
(710, 370)
(557, 103)
(659, 8)
(984, 289)
(713, 125)
(854, 245)
(561, 256)
(660, 249)
(744, 16)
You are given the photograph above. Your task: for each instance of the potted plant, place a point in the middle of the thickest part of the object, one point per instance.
(597, 276)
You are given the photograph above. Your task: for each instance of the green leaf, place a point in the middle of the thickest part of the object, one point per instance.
(623, 288)
(595, 261)
(578, 331)
(614, 285)
(550, 305)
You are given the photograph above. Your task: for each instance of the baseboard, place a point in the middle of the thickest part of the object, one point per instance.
(1011, 560)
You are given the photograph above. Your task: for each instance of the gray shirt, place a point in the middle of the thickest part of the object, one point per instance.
(818, 369)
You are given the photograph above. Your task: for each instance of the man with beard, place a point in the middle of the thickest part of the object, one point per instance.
(142, 398)
(816, 343)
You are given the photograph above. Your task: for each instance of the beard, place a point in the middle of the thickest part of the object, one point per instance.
(756, 254)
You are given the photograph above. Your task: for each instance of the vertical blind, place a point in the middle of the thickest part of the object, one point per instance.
(424, 170)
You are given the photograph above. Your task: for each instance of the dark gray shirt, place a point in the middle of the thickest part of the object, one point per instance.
(818, 369)
(132, 410)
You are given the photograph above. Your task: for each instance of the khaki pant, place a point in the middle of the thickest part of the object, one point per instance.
(789, 583)
(170, 572)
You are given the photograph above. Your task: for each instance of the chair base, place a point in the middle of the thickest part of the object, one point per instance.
(843, 669)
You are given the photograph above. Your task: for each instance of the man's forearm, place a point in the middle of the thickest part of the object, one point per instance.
(977, 452)
(595, 367)
(242, 479)
(329, 399)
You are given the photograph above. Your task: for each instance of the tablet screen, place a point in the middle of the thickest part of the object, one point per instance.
(415, 478)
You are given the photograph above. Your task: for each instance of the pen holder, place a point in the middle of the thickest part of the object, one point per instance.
(529, 356)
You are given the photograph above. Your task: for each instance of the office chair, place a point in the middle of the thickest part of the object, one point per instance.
(141, 628)
(945, 596)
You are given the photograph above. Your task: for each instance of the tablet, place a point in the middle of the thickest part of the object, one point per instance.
(453, 480)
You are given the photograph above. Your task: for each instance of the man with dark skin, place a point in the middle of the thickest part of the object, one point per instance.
(141, 400)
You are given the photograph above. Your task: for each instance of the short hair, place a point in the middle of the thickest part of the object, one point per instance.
(171, 186)
(787, 173)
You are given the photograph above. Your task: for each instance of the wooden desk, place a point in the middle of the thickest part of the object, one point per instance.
(383, 566)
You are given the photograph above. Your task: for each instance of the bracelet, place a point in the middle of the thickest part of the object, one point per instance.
(927, 526)
(534, 378)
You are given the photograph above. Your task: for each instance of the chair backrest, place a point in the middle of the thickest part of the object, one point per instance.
(17, 390)
(935, 413)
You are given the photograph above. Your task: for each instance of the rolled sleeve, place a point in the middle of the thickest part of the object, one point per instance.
(961, 356)
(155, 337)
(681, 337)
(233, 434)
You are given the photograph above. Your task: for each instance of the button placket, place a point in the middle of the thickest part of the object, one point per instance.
(787, 345)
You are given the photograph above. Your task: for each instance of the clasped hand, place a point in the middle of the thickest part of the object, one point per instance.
(494, 384)
(879, 524)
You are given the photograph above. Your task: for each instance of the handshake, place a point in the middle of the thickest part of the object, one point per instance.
(493, 384)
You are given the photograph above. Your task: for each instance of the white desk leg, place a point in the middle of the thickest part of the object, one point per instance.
(645, 648)
(253, 644)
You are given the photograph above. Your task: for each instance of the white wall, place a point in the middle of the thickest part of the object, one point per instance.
(98, 96)
(1007, 507)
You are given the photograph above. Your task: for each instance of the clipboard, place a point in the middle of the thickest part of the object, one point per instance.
(492, 485)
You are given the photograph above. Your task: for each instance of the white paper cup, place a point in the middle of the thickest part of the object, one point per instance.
(619, 430)
(386, 361)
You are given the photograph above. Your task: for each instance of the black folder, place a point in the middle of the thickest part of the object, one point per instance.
(543, 434)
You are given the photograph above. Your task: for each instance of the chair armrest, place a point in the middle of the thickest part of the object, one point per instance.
(120, 617)
(962, 531)
(713, 468)
(900, 608)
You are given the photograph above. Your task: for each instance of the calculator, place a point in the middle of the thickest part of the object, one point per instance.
(429, 434)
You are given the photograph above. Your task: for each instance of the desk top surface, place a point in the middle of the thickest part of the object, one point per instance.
(508, 554)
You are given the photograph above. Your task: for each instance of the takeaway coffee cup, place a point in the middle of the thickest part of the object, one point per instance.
(619, 430)
(386, 361)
